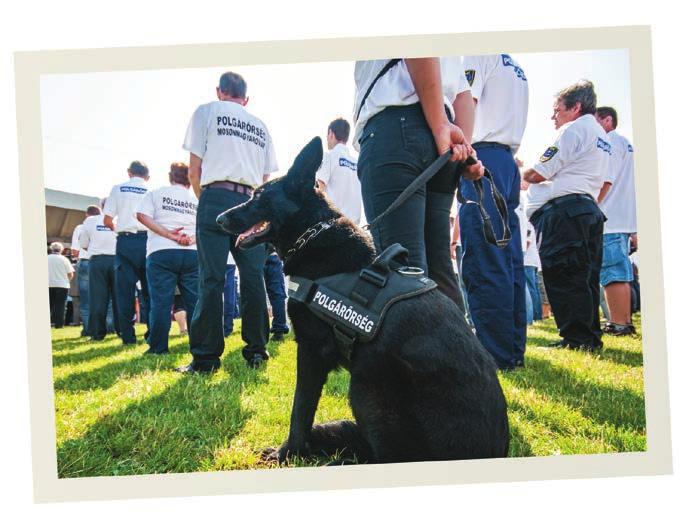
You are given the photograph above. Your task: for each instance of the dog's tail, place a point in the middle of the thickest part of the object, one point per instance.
(340, 438)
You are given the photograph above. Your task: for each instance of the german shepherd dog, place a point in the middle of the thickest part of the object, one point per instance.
(424, 389)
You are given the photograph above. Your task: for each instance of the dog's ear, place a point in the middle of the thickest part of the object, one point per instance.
(306, 164)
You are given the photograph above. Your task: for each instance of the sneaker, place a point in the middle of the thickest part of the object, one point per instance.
(619, 329)
(194, 369)
(277, 336)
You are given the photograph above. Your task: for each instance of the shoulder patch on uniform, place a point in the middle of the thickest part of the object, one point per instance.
(470, 74)
(508, 62)
(549, 153)
(630, 148)
(603, 145)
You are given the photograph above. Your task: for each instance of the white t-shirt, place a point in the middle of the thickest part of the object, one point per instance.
(234, 145)
(123, 204)
(83, 253)
(395, 88)
(576, 163)
(500, 87)
(531, 257)
(521, 215)
(97, 238)
(172, 207)
(59, 269)
(339, 172)
(619, 205)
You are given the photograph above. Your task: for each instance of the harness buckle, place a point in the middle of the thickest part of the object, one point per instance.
(373, 277)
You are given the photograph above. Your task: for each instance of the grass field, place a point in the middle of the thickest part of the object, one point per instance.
(119, 412)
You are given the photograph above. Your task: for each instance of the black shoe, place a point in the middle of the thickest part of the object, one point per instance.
(278, 336)
(195, 369)
(256, 361)
(97, 339)
(619, 329)
(562, 343)
(149, 351)
(127, 343)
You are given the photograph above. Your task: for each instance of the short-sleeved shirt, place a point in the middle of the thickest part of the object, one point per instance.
(59, 269)
(83, 253)
(233, 144)
(339, 172)
(576, 163)
(123, 204)
(500, 87)
(172, 207)
(97, 238)
(395, 88)
(619, 205)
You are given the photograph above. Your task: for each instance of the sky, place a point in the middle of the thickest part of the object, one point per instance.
(95, 124)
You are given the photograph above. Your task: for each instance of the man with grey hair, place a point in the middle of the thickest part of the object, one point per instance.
(60, 272)
(563, 207)
(231, 153)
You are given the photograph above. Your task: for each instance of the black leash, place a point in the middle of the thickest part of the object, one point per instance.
(487, 223)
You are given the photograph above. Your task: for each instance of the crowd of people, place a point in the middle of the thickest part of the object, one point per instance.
(151, 255)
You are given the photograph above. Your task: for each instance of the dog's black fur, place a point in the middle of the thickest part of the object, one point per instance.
(424, 389)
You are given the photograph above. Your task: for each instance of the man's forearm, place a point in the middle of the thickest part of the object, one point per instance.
(532, 176)
(108, 221)
(147, 221)
(195, 174)
(463, 106)
(603, 191)
(426, 78)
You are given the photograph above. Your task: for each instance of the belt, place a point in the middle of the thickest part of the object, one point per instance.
(558, 201)
(127, 234)
(231, 186)
(498, 145)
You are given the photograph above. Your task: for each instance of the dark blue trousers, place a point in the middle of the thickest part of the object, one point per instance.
(207, 333)
(275, 282)
(167, 269)
(129, 267)
(494, 277)
(100, 291)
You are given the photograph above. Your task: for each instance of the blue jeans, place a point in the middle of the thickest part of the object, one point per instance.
(531, 274)
(82, 277)
(167, 269)
(397, 145)
(229, 299)
(207, 332)
(129, 267)
(276, 290)
(101, 292)
(494, 277)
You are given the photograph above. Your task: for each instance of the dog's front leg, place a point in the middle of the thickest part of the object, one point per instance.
(311, 376)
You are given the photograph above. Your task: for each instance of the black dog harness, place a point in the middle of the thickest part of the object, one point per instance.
(354, 304)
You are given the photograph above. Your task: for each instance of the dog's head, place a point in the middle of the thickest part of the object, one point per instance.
(281, 209)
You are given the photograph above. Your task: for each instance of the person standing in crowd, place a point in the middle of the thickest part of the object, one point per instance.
(619, 206)
(82, 269)
(231, 153)
(337, 176)
(404, 121)
(494, 277)
(275, 281)
(60, 272)
(172, 259)
(563, 208)
(132, 237)
(532, 262)
(101, 243)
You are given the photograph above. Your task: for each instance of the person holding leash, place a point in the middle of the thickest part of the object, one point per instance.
(231, 153)
(563, 207)
(404, 121)
(494, 277)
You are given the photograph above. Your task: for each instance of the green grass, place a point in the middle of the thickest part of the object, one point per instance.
(119, 412)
